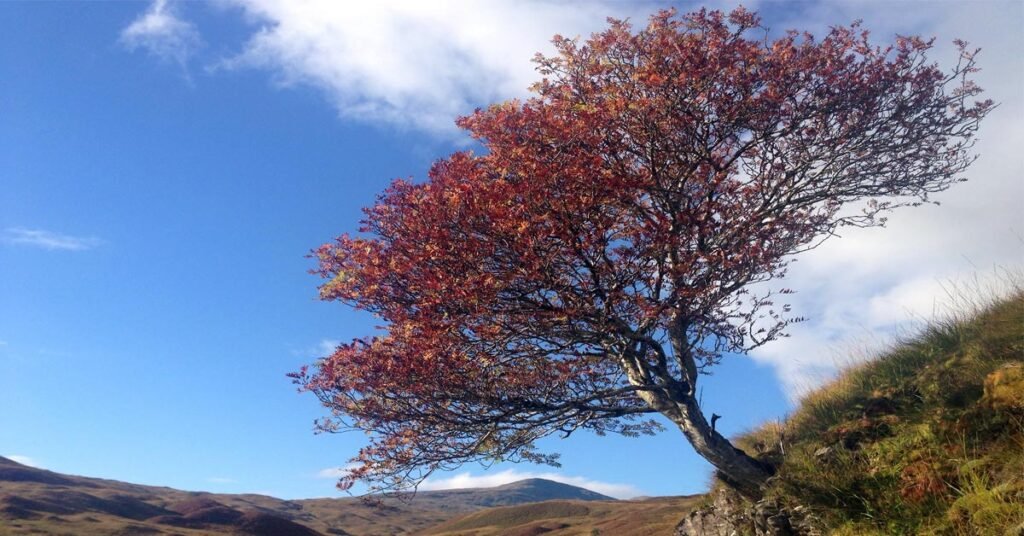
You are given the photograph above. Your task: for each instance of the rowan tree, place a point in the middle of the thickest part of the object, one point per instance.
(611, 241)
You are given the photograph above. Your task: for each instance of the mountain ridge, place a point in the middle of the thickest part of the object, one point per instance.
(34, 499)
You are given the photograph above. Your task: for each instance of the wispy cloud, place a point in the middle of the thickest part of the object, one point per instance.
(335, 472)
(488, 480)
(163, 34)
(221, 480)
(41, 238)
(327, 347)
(23, 460)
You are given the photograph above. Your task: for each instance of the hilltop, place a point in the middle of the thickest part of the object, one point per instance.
(926, 439)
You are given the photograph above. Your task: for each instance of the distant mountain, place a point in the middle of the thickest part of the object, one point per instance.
(37, 501)
(522, 491)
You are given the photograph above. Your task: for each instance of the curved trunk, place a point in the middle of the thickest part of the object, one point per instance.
(675, 399)
(734, 466)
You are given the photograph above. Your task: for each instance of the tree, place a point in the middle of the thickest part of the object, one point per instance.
(611, 243)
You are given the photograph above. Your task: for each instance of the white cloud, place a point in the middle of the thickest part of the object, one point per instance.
(48, 240)
(413, 64)
(23, 460)
(221, 480)
(489, 480)
(163, 34)
(861, 289)
(400, 62)
(335, 472)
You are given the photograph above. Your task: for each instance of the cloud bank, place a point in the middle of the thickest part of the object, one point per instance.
(861, 289)
(411, 64)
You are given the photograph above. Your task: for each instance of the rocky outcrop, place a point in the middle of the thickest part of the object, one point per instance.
(731, 515)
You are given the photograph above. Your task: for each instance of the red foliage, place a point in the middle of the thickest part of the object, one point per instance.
(584, 269)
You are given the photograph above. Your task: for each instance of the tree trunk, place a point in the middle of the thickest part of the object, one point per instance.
(677, 401)
(734, 466)
(743, 473)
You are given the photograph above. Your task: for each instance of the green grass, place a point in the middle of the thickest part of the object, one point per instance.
(926, 439)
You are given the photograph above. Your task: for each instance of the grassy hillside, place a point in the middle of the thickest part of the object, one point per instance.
(36, 501)
(563, 518)
(430, 508)
(927, 439)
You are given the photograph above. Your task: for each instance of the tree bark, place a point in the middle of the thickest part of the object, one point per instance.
(734, 466)
(676, 399)
(741, 472)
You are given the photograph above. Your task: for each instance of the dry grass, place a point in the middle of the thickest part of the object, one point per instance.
(926, 439)
(657, 516)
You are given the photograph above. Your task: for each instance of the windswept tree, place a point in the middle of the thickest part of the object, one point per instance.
(613, 240)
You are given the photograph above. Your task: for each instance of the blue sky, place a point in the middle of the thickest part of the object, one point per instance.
(166, 167)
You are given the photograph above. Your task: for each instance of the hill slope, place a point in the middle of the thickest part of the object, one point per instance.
(926, 439)
(433, 507)
(43, 502)
(564, 518)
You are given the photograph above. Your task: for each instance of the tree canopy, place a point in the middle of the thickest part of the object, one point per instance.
(609, 243)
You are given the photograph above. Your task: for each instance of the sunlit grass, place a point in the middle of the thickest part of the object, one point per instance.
(928, 438)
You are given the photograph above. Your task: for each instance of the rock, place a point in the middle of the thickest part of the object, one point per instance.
(729, 515)
(725, 516)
